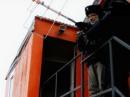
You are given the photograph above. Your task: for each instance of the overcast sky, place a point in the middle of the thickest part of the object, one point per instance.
(14, 23)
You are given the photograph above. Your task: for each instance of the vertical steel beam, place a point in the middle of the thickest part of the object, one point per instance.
(111, 69)
(73, 73)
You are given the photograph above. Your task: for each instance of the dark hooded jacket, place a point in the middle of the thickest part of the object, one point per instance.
(115, 22)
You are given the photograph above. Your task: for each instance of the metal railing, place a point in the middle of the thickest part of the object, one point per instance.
(112, 89)
(55, 75)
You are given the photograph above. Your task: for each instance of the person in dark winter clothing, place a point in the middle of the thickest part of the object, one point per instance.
(115, 22)
(96, 68)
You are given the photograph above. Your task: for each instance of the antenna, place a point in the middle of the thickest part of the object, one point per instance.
(59, 13)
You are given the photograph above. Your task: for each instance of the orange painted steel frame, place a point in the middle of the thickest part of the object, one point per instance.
(78, 78)
(27, 72)
(68, 35)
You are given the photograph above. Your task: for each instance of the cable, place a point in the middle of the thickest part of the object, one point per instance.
(30, 13)
(29, 5)
(55, 19)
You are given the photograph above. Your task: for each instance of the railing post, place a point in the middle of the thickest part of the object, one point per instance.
(111, 68)
(73, 72)
(56, 85)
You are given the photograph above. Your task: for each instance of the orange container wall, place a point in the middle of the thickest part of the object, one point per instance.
(28, 68)
(22, 72)
(27, 71)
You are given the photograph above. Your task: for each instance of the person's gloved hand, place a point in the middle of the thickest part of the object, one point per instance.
(82, 25)
(82, 41)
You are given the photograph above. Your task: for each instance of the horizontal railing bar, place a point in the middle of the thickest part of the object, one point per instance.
(62, 68)
(69, 92)
(118, 92)
(121, 42)
(124, 44)
(90, 55)
(102, 92)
